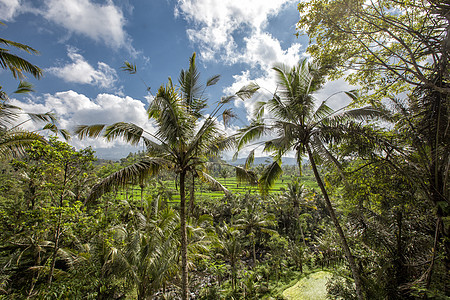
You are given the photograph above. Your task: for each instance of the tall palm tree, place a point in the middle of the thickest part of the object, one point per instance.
(254, 222)
(182, 142)
(144, 251)
(301, 127)
(296, 195)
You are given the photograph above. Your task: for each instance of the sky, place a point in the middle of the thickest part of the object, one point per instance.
(83, 44)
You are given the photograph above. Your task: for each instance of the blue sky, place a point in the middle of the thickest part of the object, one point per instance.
(83, 44)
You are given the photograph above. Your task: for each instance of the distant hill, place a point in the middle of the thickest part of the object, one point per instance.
(290, 161)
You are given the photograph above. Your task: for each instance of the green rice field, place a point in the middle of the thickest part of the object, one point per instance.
(231, 183)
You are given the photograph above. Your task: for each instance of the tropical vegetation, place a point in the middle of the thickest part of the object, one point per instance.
(362, 214)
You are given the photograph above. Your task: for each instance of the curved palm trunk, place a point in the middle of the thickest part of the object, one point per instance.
(184, 271)
(348, 254)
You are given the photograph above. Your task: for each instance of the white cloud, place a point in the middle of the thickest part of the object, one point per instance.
(99, 22)
(215, 26)
(9, 9)
(214, 23)
(75, 109)
(264, 50)
(80, 71)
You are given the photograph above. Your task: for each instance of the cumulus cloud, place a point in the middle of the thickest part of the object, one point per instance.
(99, 22)
(236, 32)
(80, 71)
(9, 9)
(216, 23)
(75, 109)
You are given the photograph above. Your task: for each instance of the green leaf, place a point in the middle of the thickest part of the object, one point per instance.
(129, 67)
(24, 87)
(269, 176)
(250, 159)
(213, 80)
(248, 91)
(92, 131)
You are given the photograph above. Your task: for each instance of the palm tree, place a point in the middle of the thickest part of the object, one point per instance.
(231, 249)
(296, 195)
(144, 251)
(182, 142)
(254, 222)
(301, 128)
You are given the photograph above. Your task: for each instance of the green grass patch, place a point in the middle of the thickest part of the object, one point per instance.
(230, 183)
(310, 287)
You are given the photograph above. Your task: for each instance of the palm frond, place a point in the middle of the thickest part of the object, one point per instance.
(250, 159)
(353, 94)
(221, 143)
(155, 149)
(227, 99)
(14, 143)
(253, 131)
(8, 114)
(244, 175)
(281, 144)
(171, 115)
(45, 117)
(92, 131)
(227, 116)
(321, 151)
(20, 46)
(65, 134)
(363, 114)
(258, 110)
(191, 88)
(24, 87)
(247, 91)
(129, 132)
(321, 112)
(53, 128)
(18, 65)
(128, 175)
(203, 140)
(212, 182)
(269, 176)
(212, 80)
(129, 67)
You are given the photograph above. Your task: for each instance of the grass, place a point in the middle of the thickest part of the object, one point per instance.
(310, 287)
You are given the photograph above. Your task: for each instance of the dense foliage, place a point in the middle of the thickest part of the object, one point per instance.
(370, 206)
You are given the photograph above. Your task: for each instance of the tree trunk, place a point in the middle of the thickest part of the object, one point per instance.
(301, 231)
(253, 249)
(348, 254)
(192, 196)
(184, 271)
(55, 250)
(142, 197)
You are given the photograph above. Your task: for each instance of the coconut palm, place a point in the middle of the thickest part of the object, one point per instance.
(296, 195)
(144, 251)
(301, 127)
(255, 222)
(182, 142)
